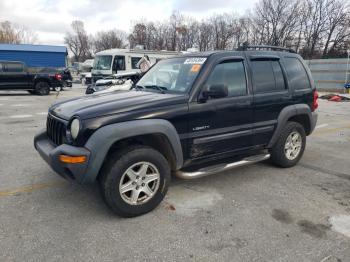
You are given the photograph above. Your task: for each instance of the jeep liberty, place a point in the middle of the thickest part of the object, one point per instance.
(191, 116)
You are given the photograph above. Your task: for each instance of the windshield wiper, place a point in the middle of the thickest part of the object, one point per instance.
(160, 88)
(138, 87)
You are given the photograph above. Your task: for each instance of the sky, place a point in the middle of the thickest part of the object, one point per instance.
(51, 19)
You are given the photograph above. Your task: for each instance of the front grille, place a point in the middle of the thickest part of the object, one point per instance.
(55, 129)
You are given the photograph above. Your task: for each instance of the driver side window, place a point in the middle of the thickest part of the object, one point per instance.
(119, 63)
(230, 74)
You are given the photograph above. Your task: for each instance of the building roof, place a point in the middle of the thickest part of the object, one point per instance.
(136, 51)
(33, 48)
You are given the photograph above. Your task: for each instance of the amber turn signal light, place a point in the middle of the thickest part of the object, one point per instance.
(72, 159)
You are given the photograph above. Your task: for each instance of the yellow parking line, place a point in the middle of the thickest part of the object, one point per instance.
(330, 130)
(30, 188)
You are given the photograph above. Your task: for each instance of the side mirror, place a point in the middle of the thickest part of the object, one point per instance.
(215, 91)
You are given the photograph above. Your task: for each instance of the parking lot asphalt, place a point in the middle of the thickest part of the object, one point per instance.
(253, 213)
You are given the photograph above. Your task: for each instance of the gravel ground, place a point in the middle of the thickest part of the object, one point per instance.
(253, 213)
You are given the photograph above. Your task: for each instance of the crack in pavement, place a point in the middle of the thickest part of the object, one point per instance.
(326, 171)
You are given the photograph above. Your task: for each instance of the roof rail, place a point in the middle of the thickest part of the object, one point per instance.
(245, 46)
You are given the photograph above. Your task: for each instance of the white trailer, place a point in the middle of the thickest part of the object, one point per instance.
(116, 61)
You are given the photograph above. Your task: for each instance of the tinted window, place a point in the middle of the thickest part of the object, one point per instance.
(1, 67)
(278, 74)
(119, 63)
(14, 67)
(134, 61)
(231, 74)
(296, 73)
(267, 76)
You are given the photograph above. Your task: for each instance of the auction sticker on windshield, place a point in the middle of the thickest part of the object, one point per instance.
(195, 60)
(195, 68)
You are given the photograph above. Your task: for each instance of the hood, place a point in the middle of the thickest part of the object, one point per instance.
(113, 103)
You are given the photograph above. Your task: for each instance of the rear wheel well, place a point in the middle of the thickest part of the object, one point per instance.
(157, 141)
(42, 80)
(302, 120)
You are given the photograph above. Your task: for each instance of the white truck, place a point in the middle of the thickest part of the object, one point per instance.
(115, 61)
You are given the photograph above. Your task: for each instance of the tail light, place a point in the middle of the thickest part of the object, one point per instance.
(58, 77)
(315, 101)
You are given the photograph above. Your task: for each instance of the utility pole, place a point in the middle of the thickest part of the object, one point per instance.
(347, 84)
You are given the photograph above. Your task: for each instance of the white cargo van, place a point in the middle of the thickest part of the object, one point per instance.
(113, 61)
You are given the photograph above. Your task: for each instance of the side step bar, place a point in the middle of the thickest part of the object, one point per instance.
(221, 167)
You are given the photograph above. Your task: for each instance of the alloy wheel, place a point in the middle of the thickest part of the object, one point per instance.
(139, 183)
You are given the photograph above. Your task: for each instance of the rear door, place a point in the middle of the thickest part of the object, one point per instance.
(222, 125)
(15, 76)
(271, 95)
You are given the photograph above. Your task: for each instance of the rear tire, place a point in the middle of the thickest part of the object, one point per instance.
(42, 88)
(58, 88)
(290, 146)
(135, 180)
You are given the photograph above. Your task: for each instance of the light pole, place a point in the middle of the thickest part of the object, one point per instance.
(347, 84)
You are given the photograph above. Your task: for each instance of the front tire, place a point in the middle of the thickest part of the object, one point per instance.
(290, 146)
(42, 88)
(134, 181)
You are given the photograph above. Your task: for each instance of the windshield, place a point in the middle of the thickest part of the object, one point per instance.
(103, 62)
(174, 75)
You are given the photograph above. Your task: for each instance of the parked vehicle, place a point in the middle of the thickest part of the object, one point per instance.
(15, 76)
(117, 82)
(85, 75)
(113, 61)
(191, 115)
(67, 78)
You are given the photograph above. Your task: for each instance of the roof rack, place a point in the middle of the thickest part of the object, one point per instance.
(245, 46)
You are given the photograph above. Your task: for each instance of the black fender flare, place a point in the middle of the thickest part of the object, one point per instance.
(287, 113)
(101, 141)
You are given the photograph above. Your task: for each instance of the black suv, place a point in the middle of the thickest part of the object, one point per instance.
(17, 76)
(191, 116)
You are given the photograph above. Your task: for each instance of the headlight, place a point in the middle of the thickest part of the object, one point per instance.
(74, 128)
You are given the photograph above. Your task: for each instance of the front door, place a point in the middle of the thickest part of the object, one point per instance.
(221, 125)
(118, 64)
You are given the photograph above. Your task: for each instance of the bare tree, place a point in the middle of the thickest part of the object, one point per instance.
(337, 23)
(276, 20)
(312, 27)
(15, 34)
(78, 42)
(138, 35)
(223, 30)
(109, 39)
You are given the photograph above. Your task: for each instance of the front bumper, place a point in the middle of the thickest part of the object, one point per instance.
(50, 153)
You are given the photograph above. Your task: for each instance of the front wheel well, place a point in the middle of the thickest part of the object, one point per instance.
(157, 141)
(302, 120)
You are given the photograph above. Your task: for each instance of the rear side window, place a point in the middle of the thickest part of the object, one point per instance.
(134, 61)
(13, 67)
(267, 76)
(231, 74)
(296, 73)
